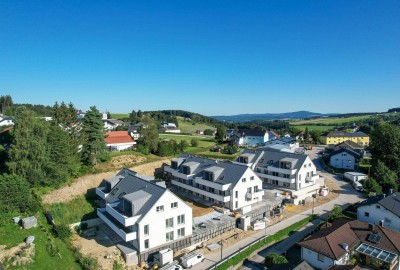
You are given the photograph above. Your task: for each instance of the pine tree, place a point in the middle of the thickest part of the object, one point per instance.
(93, 138)
(28, 152)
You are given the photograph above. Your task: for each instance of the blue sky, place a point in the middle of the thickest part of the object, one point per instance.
(210, 57)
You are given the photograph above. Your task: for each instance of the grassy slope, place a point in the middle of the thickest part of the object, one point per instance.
(330, 120)
(119, 115)
(188, 127)
(311, 127)
(11, 235)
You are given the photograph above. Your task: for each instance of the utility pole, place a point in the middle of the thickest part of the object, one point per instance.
(313, 199)
(221, 247)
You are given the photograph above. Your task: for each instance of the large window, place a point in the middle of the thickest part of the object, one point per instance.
(146, 229)
(146, 243)
(174, 165)
(181, 232)
(169, 236)
(181, 219)
(208, 176)
(186, 170)
(169, 223)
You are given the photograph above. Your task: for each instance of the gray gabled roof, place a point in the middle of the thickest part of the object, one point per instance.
(231, 172)
(392, 203)
(347, 150)
(133, 187)
(272, 157)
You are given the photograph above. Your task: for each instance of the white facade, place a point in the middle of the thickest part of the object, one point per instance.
(121, 146)
(355, 176)
(246, 191)
(110, 125)
(320, 261)
(376, 213)
(6, 122)
(343, 160)
(156, 222)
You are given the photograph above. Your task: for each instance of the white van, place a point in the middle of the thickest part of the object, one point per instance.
(358, 186)
(191, 259)
(171, 266)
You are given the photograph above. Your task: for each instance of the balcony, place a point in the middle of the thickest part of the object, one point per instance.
(178, 174)
(201, 181)
(100, 192)
(253, 195)
(279, 178)
(202, 192)
(119, 216)
(125, 233)
(313, 178)
(281, 170)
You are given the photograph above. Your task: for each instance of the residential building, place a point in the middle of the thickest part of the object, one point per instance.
(344, 158)
(226, 184)
(171, 129)
(111, 124)
(303, 265)
(350, 145)
(133, 130)
(355, 176)
(6, 121)
(146, 216)
(374, 246)
(336, 137)
(250, 137)
(119, 140)
(383, 210)
(289, 143)
(291, 173)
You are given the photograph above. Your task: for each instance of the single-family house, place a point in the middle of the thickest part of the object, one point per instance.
(133, 130)
(344, 158)
(373, 246)
(226, 184)
(291, 173)
(289, 143)
(6, 121)
(200, 132)
(383, 210)
(119, 140)
(146, 216)
(336, 137)
(250, 137)
(111, 124)
(171, 129)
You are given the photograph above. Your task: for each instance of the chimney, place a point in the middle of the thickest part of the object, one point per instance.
(381, 223)
(371, 227)
(345, 246)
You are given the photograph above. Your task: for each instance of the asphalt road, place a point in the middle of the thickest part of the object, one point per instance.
(347, 195)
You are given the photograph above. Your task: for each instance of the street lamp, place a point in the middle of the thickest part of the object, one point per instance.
(313, 198)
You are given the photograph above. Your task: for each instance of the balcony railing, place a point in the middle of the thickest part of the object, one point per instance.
(119, 216)
(100, 192)
(125, 233)
(252, 195)
(202, 192)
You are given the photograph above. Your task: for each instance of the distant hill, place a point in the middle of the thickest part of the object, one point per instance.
(272, 116)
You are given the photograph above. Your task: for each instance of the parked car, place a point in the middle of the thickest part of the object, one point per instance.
(191, 259)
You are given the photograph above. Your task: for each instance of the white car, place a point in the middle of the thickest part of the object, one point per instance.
(191, 259)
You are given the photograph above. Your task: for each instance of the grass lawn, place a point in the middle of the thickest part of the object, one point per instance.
(119, 115)
(79, 209)
(313, 127)
(11, 235)
(331, 120)
(188, 127)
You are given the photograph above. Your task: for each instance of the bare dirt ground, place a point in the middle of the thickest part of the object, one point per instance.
(197, 209)
(82, 184)
(99, 247)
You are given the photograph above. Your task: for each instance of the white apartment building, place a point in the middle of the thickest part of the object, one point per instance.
(226, 184)
(289, 172)
(145, 215)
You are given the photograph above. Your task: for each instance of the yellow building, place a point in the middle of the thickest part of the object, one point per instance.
(335, 137)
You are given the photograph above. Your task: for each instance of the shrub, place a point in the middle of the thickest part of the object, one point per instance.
(88, 263)
(52, 248)
(194, 142)
(117, 266)
(62, 231)
(273, 259)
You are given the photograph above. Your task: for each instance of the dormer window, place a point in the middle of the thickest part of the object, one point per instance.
(174, 165)
(186, 170)
(208, 176)
(115, 190)
(270, 162)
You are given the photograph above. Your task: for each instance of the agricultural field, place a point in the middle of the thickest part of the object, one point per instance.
(119, 115)
(188, 127)
(331, 120)
(313, 127)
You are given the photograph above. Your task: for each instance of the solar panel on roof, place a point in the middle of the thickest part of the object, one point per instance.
(374, 238)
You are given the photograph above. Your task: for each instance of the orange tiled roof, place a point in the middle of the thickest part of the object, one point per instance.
(114, 137)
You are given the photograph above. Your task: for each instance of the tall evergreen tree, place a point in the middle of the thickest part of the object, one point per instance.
(28, 152)
(93, 137)
(221, 133)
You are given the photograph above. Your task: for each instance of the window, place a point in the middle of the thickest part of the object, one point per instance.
(251, 177)
(174, 165)
(286, 184)
(236, 204)
(121, 195)
(243, 180)
(249, 190)
(275, 182)
(169, 223)
(186, 170)
(174, 205)
(208, 176)
(181, 232)
(378, 206)
(115, 190)
(321, 257)
(236, 194)
(255, 189)
(366, 214)
(146, 229)
(169, 236)
(146, 243)
(181, 219)
(160, 208)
